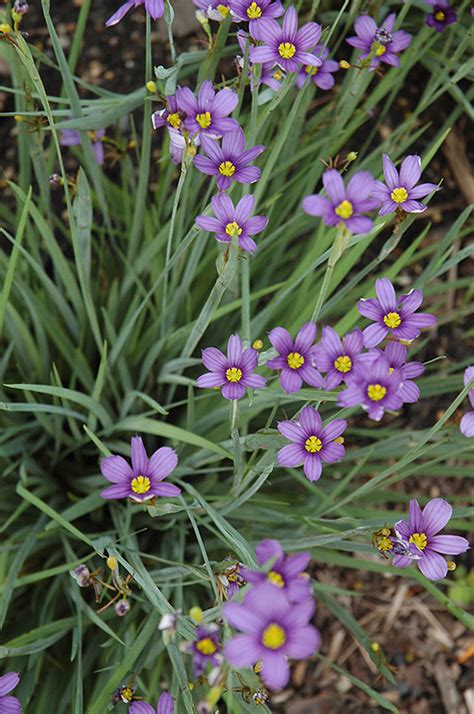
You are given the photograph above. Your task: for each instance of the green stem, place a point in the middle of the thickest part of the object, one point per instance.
(169, 17)
(339, 245)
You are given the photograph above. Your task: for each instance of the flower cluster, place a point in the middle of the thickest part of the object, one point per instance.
(417, 542)
(274, 616)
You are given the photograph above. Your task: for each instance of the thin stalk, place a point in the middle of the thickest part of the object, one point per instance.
(169, 17)
(339, 245)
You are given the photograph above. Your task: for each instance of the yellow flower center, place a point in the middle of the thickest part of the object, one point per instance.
(440, 16)
(276, 579)
(378, 49)
(127, 694)
(295, 360)
(311, 70)
(174, 120)
(313, 444)
(227, 168)
(273, 637)
(399, 195)
(277, 74)
(343, 363)
(385, 544)
(232, 228)
(376, 392)
(206, 646)
(392, 319)
(420, 540)
(223, 9)
(233, 374)
(204, 119)
(344, 209)
(141, 484)
(254, 11)
(286, 50)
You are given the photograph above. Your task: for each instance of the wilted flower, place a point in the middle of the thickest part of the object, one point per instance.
(122, 607)
(231, 580)
(344, 206)
(400, 191)
(154, 8)
(233, 220)
(392, 315)
(467, 422)
(255, 12)
(286, 571)
(374, 387)
(295, 359)
(311, 443)
(20, 7)
(208, 112)
(337, 357)
(229, 162)
(422, 530)
(144, 479)
(380, 43)
(169, 621)
(171, 115)
(442, 16)
(81, 574)
(205, 648)
(321, 75)
(285, 45)
(71, 137)
(274, 630)
(165, 705)
(234, 372)
(9, 705)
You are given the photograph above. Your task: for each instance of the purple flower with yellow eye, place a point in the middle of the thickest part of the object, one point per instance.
(422, 531)
(233, 220)
(311, 443)
(233, 372)
(71, 137)
(229, 162)
(142, 480)
(396, 355)
(171, 115)
(285, 45)
(273, 631)
(208, 112)
(344, 205)
(205, 648)
(467, 422)
(154, 8)
(321, 76)
(400, 190)
(214, 9)
(286, 573)
(255, 12)
(295, 359)
(9, 705)
(375, 387)
(382, 44)
(442, 16)
(270, 75)
(337, 357)
(392, 315)
(165, 705)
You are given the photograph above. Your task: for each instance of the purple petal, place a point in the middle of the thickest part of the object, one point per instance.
(436, 514)
(410, 302)
(254, 381)
(281, 340)
(306, 642)
(316, 205)
(8, 682)
(467, 424)
(268, 549)
(290, 430)
(390, 172)
(334, 185)
(213, 359)
(165, 704)
(233, 143)
(290, 380)
(333, 430)
(167, 490)
(244, 208)
(359, 186)
(294, 565)
(116, 491)
(332, 452)
(310, 421)
(305, 337)
(248, 174)
(291, 455)
(224, 103)
(410, 171)
(311, 376)
(415, 519)
(205, 165)
(308, 36)
(413, 206)
(242, 618)
(422, 190)
(10, 705)
(365, 27)
(210, 380)
(120, 13)
(409, 392)
(374, 335)
(256, 224)
(116, 469)
(233, 390)
(141, 708)
(247, 244)
(448, 544)
(370, 308)
(359, 225)
(386, 295)
(290, 23)
(259, 55)
(139, 457)
(275, 670)
(162, 462)
(234, 350)
(241, 651)
(249, 360)
(209, 223)
(432, 565)
(402, 561)
(312, 467)
(155, 8)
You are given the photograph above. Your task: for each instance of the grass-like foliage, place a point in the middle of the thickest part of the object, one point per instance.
(109, 292)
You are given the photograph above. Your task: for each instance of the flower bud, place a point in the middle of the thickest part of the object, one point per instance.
(196, 614)
(344, 64)
(151, 86)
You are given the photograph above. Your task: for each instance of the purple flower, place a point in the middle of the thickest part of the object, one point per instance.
(274, 630)
(231, 162)
(214, 9)
(396, 355)
(255, 12)
(344, 205)
(154, 8)
(143, 479)
(233, 220)
(171, 115)
(393, 316)
(337, 358)
(400, 191)
(295, 359)
(381, 43)
(286, 572)
(311, 443)
(205, 648)
(443, 15)
(467, 422)
(165, 705)
(208, 112)
(287, 46)
(71, 137)
(9, 705)
(270, 75)
(232, 373)
(322, 75)
(374, 387)
(422, 529)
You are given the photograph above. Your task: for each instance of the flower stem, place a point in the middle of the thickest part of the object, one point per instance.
(338, 248)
